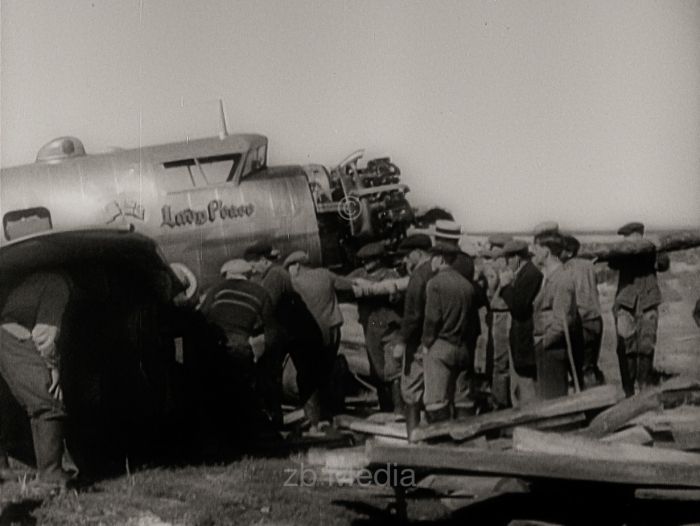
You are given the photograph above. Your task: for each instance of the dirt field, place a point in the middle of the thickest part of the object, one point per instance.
(267, 491)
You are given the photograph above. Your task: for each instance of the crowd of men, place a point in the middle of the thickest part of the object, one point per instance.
(532, 309)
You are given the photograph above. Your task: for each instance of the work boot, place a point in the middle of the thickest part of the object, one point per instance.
(48, 449)
(396, 398)
(412, 413)
(645, 371)
(434, 416)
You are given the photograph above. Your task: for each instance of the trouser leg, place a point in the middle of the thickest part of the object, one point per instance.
(331, 393)
(592, 339)
(552, 373)
(627, 348)
(29, 379)
(648, 326)
(443, 364)
(269, 381)
(500, 386)
(412, 379)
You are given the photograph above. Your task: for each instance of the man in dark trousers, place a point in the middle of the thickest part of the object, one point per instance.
(417, 259)
(520, 283)
(449, 299)
(30, 327)
(297, 334)
(450, 232)
(380, 317)
(317, 287)
(636, 311)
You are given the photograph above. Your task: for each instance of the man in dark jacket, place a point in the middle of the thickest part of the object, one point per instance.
(636, 311)
(240, 309)
(450, 232)
(520, 283)
(417, 258)
(449, 299)
(296, 334)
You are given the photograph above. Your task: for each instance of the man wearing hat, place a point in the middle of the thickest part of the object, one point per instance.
(589, 331)
(498, 322)
(296, 334)
(636, 311)
(545, 228)
(317, 288)
(450, 232)
(415, 249)
(519, 284)
(240, 309)
(380, 317)
(449, 299)
(554, 315)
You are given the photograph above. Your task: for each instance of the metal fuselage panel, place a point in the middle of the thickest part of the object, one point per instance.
(200, 224)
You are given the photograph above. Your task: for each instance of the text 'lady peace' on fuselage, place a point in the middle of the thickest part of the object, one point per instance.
(215, 209)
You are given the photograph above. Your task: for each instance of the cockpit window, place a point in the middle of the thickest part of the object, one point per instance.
(20, 223)
(189, 173)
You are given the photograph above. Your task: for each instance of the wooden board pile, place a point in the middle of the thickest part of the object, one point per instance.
(649, 442)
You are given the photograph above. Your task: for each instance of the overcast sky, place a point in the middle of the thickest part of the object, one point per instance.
(506, 112)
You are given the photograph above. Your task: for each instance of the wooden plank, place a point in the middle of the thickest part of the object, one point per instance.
(686, 435)
(461, 429)
(667, 494)
(621, 414)
(632, 435)
(554, 423)
(662, 421)
(585, 449)
(534, 464)
(396, 430)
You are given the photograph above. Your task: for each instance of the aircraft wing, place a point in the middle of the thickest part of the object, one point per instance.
(119, 248)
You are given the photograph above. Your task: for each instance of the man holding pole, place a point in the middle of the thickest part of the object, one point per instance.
(555, 315)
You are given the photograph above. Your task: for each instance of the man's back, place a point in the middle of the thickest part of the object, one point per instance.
(237, 306)
(316, 286)
(449, 303)
(587, 297)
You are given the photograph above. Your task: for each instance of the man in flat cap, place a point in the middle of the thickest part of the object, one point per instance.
(449, 298)
(380, 317)
(240, 309)
(636, 311)
(498, 322)
(554, 314)
(417, 260)
(545, 228)
(317, 287)
(296, 334)
(588, 334)
(520, 283)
